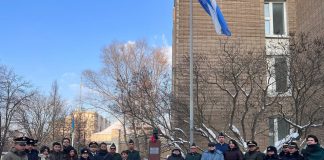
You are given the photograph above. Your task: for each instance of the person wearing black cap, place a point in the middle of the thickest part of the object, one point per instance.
(272, 153)
(212, 153)
(18, 150)
(193, 154)
(253, 153)
(32, 153)
(84, 154)
(313, 150)
(221, 145)
(175, 155)
(233, 152)
(113, 153)
(93, 147)
(132, 153)
(293, 153)
(285, 150)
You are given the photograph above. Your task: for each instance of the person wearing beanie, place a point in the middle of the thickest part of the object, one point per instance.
(285, 150)
(253, 153)
(293, 152)
(175, 155)
(233, 152)
(212, 153)
(313, 150)
(113, 153)
(132, 153)
(193, 154)
(271, 153)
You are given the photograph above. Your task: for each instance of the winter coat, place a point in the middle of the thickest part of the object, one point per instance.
(294, 156)
(222, 147)
(42, 157)
(215, 155)
(193, 156)
(175, 157)
(32, 154)
(273, 157)
(103, 155)
(72, 158)
(282, 154)
(313, 152)
(115, 156)
(233, 154)
(84, 158)
(133, 155)
(57, 156)
(255, 155)
(13, 154)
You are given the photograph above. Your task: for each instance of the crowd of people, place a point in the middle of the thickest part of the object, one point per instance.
(24, 148)
(231, 151)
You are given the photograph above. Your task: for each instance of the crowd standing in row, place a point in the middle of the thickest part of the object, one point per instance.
(231, 151)
(25, 149)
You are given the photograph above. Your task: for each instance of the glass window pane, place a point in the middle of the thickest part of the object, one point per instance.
(281, 73)
(266, 10)
(267, 27)
(283, 128)
(278, 18)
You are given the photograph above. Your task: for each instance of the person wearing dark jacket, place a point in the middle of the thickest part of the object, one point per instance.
(132, 153)
(73, 155)
(175, 155)
(18, 150)
(84, 154)
(285, 151)
(103, 153)
(93, 148)
(113, 153)
(193, 154)
(253, 153)
(293, 152)
(32, 153)
(221, 145)
(313, 150)
(233, 152)
(56, 153)
(272, 153)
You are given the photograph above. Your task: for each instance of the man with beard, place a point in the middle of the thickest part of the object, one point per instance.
(103, 152)
(113, 153)
(313, 150)
(32, 153)
(132, 153)
(253, 153)
(212, 153)
(18, 151)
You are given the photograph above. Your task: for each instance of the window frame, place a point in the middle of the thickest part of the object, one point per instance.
(270, 18)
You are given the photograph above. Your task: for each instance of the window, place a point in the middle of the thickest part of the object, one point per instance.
(275, 18)
(278, 75)
(278, 129)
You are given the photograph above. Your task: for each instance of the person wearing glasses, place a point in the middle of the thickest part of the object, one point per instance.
(113, 153)
(18, 150)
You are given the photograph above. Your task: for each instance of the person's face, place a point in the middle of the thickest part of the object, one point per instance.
(211, 148)
(292, 150)
(84, 155)
(113, 150)
(270, 153)
(20, 146)
(131, 146)
(311, 141)
(66, 142)
(93, 148)
(57, 148)
(176, 152)
(45, 152)
(285, 149)
(231, 145)
(193, 149)
(124, 155)
(29, 147)
(252, 148)
(72, 153)
(103, 147)
(221, 139)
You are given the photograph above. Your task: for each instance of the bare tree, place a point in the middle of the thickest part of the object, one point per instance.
(14, 93)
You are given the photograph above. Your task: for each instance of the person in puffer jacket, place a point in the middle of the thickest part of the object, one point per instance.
(293, 152)
(212, 153)
(176, 155)
(271, 153)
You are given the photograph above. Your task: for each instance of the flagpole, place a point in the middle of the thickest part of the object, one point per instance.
(191, 76)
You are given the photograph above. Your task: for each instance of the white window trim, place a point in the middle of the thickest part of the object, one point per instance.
(271, 35)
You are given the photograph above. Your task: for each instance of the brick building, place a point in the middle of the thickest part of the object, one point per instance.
(255, 25)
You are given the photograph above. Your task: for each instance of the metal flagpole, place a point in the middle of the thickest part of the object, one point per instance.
(191, 76)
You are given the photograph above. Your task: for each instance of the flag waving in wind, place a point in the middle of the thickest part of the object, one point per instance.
(214, 11)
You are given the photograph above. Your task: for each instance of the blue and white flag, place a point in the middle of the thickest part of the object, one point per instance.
(214, 11)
